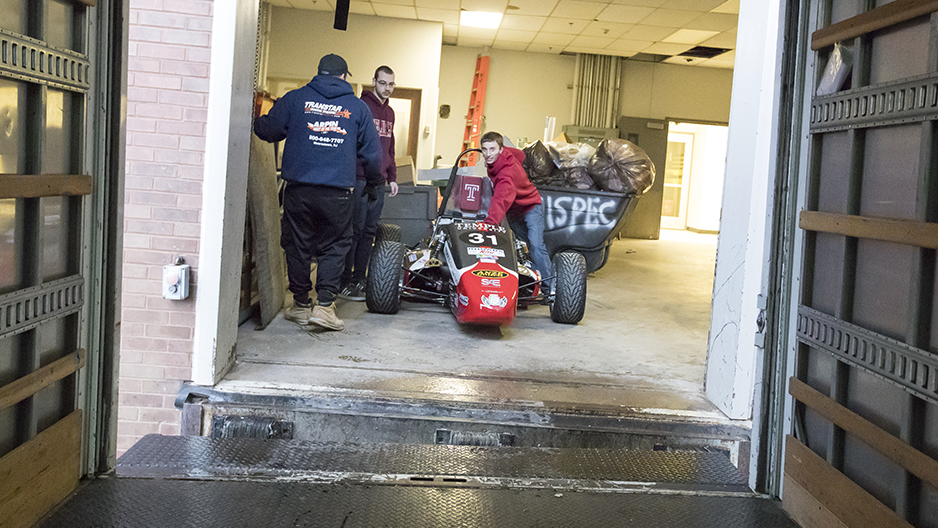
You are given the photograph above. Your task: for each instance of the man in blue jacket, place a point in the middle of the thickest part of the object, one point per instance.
(327, 129)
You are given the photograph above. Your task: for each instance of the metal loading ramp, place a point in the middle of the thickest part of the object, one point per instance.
(231, 482)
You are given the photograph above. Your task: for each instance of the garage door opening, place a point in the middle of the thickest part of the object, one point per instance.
(639, 356)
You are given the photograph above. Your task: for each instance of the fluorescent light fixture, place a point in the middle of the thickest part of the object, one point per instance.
(480, 19)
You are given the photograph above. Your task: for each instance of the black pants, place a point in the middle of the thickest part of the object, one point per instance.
(317, 222)
(365, 216)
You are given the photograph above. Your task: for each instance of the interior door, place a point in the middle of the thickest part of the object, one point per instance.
(49, 250)
(652, 136)
(677, 174)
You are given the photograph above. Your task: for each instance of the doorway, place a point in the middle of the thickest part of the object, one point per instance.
(406, 105)
(693, 177)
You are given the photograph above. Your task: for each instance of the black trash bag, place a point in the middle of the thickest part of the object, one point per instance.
(539, 164)
(579, 178)
(621, 166)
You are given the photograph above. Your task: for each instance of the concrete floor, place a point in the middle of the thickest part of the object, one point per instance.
(641, 347)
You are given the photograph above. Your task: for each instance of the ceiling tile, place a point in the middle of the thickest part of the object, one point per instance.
(450, 40)
(713, 22)
(663, 48)
(670, 18)
(514, 35)
(492, 6)
(642, 3)
(450, 30)
(360, 8)
(647, 33)
(545, 48)
(439, 15)
(509, 45)
(318, 5)
(524, 22)
(281, 3)
(731, 7)
(727, 39)
(564, 25)
(624, 14)
(633, 46)
(409, 3)
(552, 39)
(693, 5)
(394, 11)
(684, 61)
(531, 7)
(577, 9)
(605, 29)
(477, 33)
(473, 42)
(438, 4)
(689, 36)
(591, 42)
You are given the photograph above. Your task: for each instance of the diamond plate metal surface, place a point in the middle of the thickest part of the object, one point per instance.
(142, 503)
(202, 457)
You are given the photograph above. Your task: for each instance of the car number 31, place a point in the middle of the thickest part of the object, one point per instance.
(479, 239)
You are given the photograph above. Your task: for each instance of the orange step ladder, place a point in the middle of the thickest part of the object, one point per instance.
(474, 117)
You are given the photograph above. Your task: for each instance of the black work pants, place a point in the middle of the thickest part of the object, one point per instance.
(365, 216)
(317, 222)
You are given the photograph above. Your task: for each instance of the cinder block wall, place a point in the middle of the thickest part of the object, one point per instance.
(167, 102)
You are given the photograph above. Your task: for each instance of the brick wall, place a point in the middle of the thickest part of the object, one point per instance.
(167, 101)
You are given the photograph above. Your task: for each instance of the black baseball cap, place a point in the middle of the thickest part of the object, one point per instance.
(332, 64)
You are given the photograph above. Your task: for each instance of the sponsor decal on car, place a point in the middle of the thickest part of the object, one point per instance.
(493, 301)
(495, 283)
(492, 274)
(463, 299)
(486, 252)
(480, 226)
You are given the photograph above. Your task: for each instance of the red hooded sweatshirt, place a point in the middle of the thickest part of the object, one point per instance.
(514, 193)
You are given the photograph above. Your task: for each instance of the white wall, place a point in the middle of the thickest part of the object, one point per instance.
(299, 38)
(227, 140)
(733, 358)
(522, 89)
(662, 91)
(708, 163)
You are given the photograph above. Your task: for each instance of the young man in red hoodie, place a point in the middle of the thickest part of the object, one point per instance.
(516, 198)
(369, 202)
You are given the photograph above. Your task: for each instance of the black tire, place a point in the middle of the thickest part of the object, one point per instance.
(388, 232)
(384, 277)
(569, 288)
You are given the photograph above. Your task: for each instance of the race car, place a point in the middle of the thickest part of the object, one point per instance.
(480, 271)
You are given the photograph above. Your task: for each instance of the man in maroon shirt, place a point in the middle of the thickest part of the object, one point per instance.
(516, 198)
(370, 200)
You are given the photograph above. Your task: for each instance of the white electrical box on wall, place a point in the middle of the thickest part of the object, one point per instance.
(176, 280)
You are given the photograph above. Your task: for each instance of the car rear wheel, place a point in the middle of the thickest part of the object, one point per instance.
(384, 277)
(569, 288)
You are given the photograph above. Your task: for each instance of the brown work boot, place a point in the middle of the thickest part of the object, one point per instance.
(325, 317)
(298, 314)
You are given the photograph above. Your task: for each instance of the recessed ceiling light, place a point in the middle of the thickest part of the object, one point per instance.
(480, 19)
